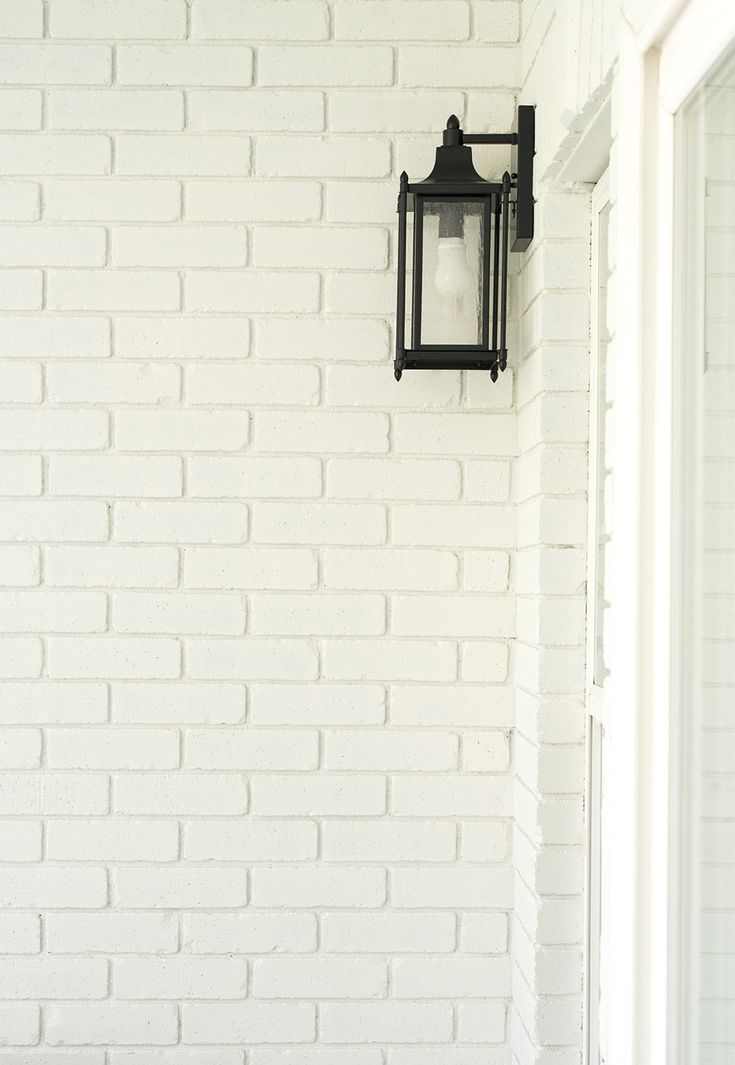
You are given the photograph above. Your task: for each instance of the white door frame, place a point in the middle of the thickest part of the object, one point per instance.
(658, 70)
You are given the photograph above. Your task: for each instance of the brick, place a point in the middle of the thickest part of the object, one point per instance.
(481, 433)
(53, 887)
(252, 201)
(20, 933)
(115, 109)
(321, 431)
(253, 292)
(251, 477)
(370, 386)
(480, 67)
(183, 522)
(252, 659)
(452, 796)
(305, 615)
(21, 18)
(323, 157)
(434, 525)
(106, 840)
(486, 571)
(141, 430)
(20, 748)
(251, 749)
(111, 1023)
(227, 567)
(359, 293)
(94, 382)
(320, 65)
(112, 748)
(51, 978)
(389, 660)
(322, 795)
(20, 1024)
(172, 794)
(245, 384)
(182, 337)
(147, 154)
(114, 290)
(269, 841)
(112, 200)
(250, 933)
(186, 65)
(318, 523)
(249, 1022)
(320, 978)
(322, 704)
(405, 20)
(453, 616)
(197, 704)
(452, 977)
(20, 290)
(107, 19)
(409, 112)
(331, 338)
(485, 661)
(20, 841)
(19, 565)
(20, 657)
(54, 794)
(332, 248)
(487, 482)
(387, 932)
(452, 887)
(103, 567)
(113, 657)
(20, 475)
(180, 978)
(47, 611)
(256, 110)
(496, 21)
(54, 153)
(430, 841)
(364, 201)
(42, 429)
(175, 887)
(304, 886)
(44, 337)
(299, 20)
(20, 109)
(484, 933)
(317, 1055)
(179, 247)
(384, 569)
(114, 476)
(177, 613)
(56, 64)
(19, 201)
(53, 246)
(389, 1022)
(111, 933)
(388, 750)
(53, 521)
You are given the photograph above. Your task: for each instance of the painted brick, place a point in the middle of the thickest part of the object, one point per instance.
(56, 64)
(111, 1023)
(107, 19)
(114, 290)
(174, 887)
(21, 1024)
(251, 477)
(479, 67)
(414, 841)
(252, 201)
(179, 247)
(404, 20)
(182, 153)
(322, 65)
(298, 20)
(319, 796)
(256, 110)
(185, 338)
(54, 153)
(19, 201)
(359, 887)
(184, 522)
(114, 109)
(381, 569)
(339, 157)
(254, 292)
(322, 704)
(393, 1022)
(104, 567)
(106, 933)
(113, 657)
(249, 1022)
(112, 200)
(251, 749)
(179, 978)
(114, 475)
(20, 109)
(21, 18)
(269, 841)
(320, 977)
(197, 704)
(172, 794)
(94, 382)
(71, 748)
(266, 932)
(331, 338)
(152, 64)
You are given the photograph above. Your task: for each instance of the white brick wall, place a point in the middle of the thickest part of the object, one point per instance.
(255, 713)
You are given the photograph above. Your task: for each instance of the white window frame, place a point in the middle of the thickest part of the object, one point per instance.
(659, 67)
(595, 693)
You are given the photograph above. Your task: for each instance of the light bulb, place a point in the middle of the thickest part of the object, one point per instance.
(453, 278)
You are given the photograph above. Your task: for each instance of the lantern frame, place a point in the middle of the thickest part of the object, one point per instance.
(455, 181)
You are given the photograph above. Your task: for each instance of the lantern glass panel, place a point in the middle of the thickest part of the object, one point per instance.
(455, 260)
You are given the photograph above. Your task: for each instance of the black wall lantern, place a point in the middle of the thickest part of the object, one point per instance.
(458, 273)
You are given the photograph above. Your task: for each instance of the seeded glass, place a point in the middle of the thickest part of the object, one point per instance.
(453, 273)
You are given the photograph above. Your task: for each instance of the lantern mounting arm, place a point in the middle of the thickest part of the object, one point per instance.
(490, 138)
